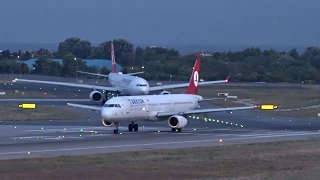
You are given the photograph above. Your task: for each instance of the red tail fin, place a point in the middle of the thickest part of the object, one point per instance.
(194, 80)
(113, 59)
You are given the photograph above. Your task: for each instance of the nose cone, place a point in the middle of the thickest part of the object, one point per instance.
(106, 114)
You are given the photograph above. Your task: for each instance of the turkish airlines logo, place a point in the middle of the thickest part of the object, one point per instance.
(196, 78)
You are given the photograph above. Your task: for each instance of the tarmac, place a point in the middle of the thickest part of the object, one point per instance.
(28, 139)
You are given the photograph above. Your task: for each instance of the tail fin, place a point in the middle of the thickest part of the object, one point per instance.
(194, 80)
(113, 59)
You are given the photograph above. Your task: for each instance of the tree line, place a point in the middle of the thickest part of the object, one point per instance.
(250, 65)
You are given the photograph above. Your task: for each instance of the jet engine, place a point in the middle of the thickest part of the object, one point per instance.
(107, 123)
(177, 121)
(164, 92)
(95, 96)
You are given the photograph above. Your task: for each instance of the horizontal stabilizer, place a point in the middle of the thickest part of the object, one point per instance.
(172, 86)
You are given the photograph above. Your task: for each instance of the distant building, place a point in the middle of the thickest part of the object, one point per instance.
(90, 62)
(202, 54)
(157, 47)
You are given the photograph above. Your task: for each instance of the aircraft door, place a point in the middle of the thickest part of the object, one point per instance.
(125, 106)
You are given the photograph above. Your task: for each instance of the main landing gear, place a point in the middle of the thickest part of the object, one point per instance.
(133, 126)
(176, 129)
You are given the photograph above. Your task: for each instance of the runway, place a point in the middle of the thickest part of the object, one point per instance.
(55, 138)
(27, 139)
(33, 141)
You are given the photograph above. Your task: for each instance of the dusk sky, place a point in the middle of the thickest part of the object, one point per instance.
(270, 22)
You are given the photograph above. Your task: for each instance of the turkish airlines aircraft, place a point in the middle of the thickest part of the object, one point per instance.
(122, 84)
(172, 107)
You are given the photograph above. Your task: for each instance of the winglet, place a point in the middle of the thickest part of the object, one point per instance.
(228, 79)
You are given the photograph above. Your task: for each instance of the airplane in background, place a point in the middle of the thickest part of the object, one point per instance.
(122, 84)
(172, 107)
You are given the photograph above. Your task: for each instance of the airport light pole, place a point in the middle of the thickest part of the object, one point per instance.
(76, 69)
(20, 65)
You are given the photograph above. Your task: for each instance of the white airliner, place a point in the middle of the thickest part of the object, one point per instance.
(122, 84)
(172, 107)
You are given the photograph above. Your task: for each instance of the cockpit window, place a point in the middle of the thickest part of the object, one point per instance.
(112, 105)
(141, 85)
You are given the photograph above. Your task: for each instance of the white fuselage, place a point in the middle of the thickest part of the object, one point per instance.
(129, 85)
(138, 108)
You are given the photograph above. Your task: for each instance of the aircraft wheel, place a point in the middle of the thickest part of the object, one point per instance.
(176, 129)
(130, 127)
(135, 127)
(116, 131)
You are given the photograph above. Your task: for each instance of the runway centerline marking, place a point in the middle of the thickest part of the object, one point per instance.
(154, 144)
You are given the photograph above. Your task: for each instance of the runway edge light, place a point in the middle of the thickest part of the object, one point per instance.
(27, 106)
(268, 107)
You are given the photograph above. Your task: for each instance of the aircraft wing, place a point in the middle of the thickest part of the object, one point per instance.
(97, 108)
(69, 84)
(198, 111)
(172, 86)
(102, 75)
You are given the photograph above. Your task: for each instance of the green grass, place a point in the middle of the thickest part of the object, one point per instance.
(276, 160)
(41, 112)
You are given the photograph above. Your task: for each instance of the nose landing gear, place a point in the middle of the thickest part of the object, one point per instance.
(116, 130)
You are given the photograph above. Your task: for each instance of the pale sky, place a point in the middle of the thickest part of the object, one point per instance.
(270, 22)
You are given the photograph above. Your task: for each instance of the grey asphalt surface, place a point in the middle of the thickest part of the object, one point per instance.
(26, 139)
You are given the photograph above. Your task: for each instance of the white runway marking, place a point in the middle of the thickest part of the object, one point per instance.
(163, 143)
